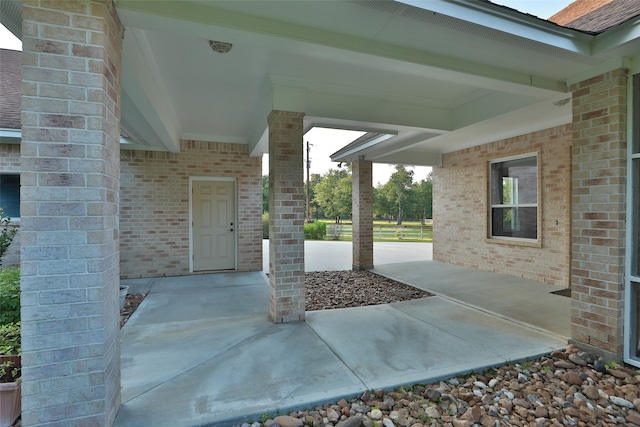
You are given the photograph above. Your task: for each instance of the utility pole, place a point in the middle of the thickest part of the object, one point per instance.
(308, 183)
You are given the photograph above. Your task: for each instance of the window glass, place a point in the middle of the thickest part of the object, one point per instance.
(514, 198)
(10, 195)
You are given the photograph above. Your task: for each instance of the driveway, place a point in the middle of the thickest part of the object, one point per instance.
(332, 256)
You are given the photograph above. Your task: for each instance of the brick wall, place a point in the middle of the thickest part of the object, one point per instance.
(286, 217)
(599, 204)
(69, 255)
(10, 163)
(460, 209)
(362, 191)
(154, 206)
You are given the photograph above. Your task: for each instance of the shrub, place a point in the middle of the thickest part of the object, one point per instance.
(7, 233)
(10, 339)
(9, 295)
(315, 231)
(265, 226)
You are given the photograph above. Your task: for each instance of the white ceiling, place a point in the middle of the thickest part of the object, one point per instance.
(460, 74)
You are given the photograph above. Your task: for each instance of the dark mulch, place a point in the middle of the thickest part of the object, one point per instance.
(326, 290)
(563, 292)
(131, 303)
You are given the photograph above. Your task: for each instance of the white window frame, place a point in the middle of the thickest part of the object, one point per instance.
(496, 238)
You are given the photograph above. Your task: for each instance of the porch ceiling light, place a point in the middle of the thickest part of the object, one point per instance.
(220, 47)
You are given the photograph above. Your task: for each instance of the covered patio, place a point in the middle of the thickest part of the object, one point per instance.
(211, 356)
(138, 117)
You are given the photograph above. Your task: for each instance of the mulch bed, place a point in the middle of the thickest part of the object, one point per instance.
(563, 292)
(131, 303)
(326, 290)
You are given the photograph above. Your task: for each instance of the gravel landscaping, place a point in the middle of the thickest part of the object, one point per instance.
(327, 290)
(566, 388)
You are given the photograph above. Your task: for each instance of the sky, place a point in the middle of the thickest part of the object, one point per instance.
(325, 142)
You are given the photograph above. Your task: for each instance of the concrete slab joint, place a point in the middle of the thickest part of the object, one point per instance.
(286, 217)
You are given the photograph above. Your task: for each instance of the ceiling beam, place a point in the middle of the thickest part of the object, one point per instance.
(359, 109)
(143, 85)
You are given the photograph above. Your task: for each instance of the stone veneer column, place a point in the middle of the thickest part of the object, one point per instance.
(70, 156)
(286, 217)
(598, 211)
(362, 200)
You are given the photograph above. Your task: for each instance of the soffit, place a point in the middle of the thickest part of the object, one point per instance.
(366, 63)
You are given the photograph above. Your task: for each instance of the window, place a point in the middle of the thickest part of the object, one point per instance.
(514, 198)
(10, 195)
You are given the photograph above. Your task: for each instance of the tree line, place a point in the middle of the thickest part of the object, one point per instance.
(398, 199)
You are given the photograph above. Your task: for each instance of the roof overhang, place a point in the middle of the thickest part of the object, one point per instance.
(438, 75)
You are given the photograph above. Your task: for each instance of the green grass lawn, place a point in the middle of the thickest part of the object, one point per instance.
(383, 231)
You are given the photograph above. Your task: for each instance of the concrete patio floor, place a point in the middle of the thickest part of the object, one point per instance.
(201, 350)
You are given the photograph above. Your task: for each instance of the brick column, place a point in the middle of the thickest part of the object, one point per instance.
(69, 212)
(362, 208)
(286, 217)
(598, 211)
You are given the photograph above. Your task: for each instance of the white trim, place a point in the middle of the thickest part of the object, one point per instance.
(598, 70)
(10, 133)
(630, 333)
(511, 22)
(192, 179)
(375, 141)
(516, 157)
(10, 136)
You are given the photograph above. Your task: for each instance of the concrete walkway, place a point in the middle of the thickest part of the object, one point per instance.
(201, 350)
(332, 256)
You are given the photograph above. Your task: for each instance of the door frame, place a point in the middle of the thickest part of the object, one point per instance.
(193, 179)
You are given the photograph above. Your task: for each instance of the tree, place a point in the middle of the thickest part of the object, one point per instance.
(401, 181)
(384, 201)
(333, 193)
(265, 193)
(315, 179)
(423, 196)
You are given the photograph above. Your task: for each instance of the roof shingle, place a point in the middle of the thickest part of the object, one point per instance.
(597, 16)
(576, 10)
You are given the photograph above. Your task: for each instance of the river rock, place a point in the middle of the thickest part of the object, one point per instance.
(287, 421)
(591, 392)
(572, 378)
(350, 422)
(577, 359)
(376, 414)
(621, 402)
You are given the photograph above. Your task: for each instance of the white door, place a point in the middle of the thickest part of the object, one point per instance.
(214, 226)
